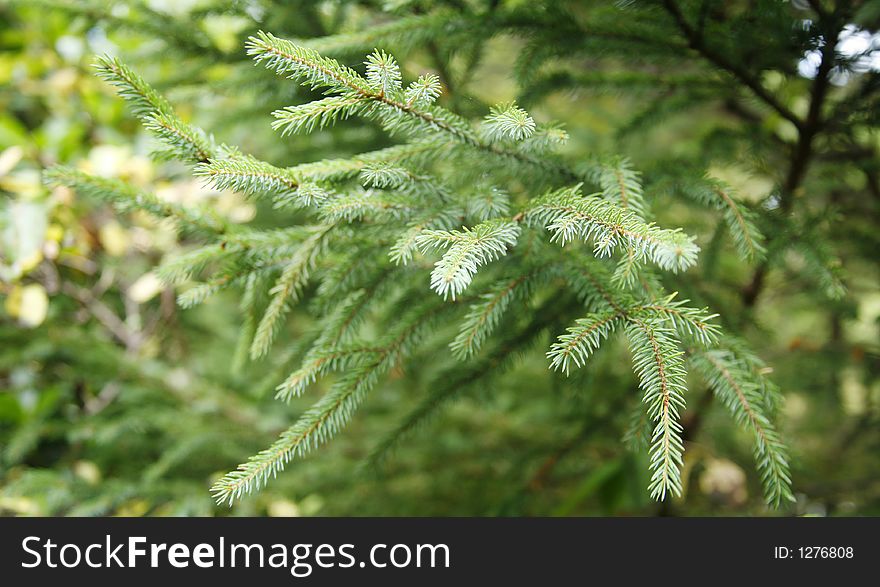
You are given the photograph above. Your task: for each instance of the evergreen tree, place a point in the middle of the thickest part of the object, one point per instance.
(476, 230)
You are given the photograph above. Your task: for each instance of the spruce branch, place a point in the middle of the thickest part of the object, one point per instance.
(692, 322)
(253, 177)
(425, 90)
(356, 205)
(317, 115)
(621, 184)
(592, 283)
(287, 289)
(382, 174)
(739, 219)
(392, 110)
(450, 190)
(320, 362)
(184, 141)
(583, 339)
(142, 98)
(412, 154)
(333, 411)
(328, 352)
(453, 382)
(658, 362)
(127, 199)
(508, 122)
(252, 298)
(466, 250)
(200, 292)
(383, 73)
(314, 427)
(484, 315)
(181, 267)
(569, 215)
(389, 108)
(628, 270)
(401, 252)
(824, 267)
(746, 396)
(488, 203)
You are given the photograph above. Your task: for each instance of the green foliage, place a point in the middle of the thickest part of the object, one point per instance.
(431, 252)
(465, 251)
(739, 219)
(735, 378)
(183, 140)
(612, 223)
(569, 215)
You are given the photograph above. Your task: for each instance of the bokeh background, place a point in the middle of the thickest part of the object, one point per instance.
(113, 401)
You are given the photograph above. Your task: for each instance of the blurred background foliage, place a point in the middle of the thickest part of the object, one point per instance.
(114, 401)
